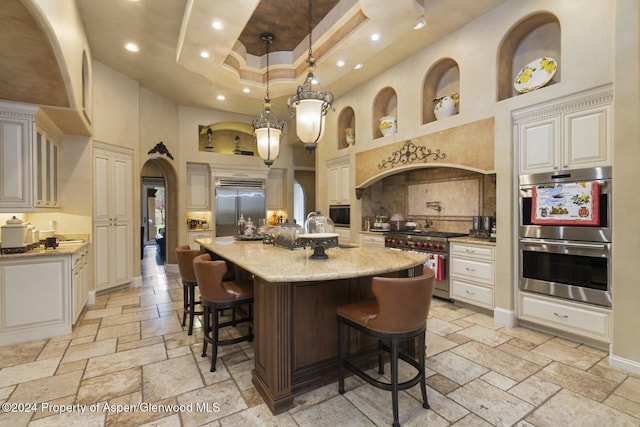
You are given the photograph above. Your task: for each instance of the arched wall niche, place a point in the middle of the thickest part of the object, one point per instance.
(443, 78)
(346, 120)
(384, 104)
(533, 37)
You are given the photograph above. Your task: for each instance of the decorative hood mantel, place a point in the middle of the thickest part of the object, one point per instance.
(469, 146)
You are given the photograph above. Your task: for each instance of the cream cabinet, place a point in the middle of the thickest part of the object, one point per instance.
(35, 298)
(472, 273)
(338, 180)
(29, 149)
(198, 193)
(579, 319)
(575, 132)
(193, 235)
(80, 272)
(274, 190)
(113, 234)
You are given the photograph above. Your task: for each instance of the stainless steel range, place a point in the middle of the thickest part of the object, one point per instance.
(436, 244)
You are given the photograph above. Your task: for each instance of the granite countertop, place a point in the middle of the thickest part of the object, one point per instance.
(470, 239)
(275, 264)
(62, 249)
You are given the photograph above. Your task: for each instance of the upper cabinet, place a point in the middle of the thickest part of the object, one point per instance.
(571, 133)
(29, 149)
(338, 177)
(198, 187)
(274, 190)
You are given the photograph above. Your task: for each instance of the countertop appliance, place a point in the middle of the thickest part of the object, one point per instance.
(436, 244)
(14, 237)
(238, 197)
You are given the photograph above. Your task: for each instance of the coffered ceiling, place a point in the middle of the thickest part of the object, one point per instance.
(171, 35)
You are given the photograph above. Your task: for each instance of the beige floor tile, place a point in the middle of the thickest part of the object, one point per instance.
(73, 366)
(497, 360)
(472, 420)
(170, 378)
(578, 381)
(123, 300)
(559, 351)
(484, 335)
(241, 372)
(57, 406)
(603, 370)
(529, 356)
(332, 412)
(441, 327)
(497, 380)
(130, 345)
(149, 416)
(154, 299)
(446, 408)
(629, 389)
(442, 384)
(21, 353)
(160, 326)
(152, 313)
(226, 395)
(5, 392)
(456, 368)
(483, 320)
(92, 349)
(45, 389)
(534, 390)
(567, 408)
(623, 405)
(28, 371)
(103, 365)
(259, 415)
(53, 349)
(531, 336)
(437, 344)
(105, 312)
(106, 387)
(107, 332)
(490, 403)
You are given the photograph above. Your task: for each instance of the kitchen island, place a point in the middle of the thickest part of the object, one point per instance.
(295, 307)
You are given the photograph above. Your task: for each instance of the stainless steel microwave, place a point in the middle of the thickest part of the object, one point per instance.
(340, 215)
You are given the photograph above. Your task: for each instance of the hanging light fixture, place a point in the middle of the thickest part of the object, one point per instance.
(310, 106)
(267, 128)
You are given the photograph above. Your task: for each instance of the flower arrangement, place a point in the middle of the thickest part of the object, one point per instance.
(580, 199)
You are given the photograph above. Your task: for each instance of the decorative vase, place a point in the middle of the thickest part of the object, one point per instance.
(446, 106)
(388, 125)
(350, 135)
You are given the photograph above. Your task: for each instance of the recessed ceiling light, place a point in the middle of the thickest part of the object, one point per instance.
(220, 98)
(204, 54)
(420, 24)
(375, 37)
(132, 47)
(358, 66)
(340, 63)
(246, 90)
(217, 25)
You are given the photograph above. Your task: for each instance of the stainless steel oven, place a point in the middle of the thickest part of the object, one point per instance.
(340, 215)
(580, 271)
(560, 254)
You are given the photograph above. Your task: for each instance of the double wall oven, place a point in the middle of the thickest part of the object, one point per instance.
(565, 234)
(435, 244)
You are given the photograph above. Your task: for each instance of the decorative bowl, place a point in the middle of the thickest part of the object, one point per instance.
(388, 125)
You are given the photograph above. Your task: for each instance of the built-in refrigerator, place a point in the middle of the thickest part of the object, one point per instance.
(234, 198)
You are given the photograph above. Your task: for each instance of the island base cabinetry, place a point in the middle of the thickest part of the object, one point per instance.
(296, 342)
(577, 319)
(33, 308)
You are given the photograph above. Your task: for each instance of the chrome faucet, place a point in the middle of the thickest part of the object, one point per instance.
(427, 223)
(434, 205)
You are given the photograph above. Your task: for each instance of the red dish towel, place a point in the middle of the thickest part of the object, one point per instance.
(438, 263)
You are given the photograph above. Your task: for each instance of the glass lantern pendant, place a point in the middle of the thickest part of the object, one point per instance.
(310, 106)
(267, 129)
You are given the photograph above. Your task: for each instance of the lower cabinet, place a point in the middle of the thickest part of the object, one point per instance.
(344, 234)
(81, 281)
(472, 274)
(35, 298)
(193, 235)
(580, 319)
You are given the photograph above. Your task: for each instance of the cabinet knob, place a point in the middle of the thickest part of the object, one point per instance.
(561, 316)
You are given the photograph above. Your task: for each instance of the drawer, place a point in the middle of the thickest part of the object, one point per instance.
(477, 270)
(475, 251)
(593, 322)
(472, 293)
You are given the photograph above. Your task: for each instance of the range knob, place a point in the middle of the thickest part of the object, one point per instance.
(423, 245)
(428, 245)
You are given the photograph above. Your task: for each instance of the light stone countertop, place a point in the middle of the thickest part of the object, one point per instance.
(62, 249)
(275, 264)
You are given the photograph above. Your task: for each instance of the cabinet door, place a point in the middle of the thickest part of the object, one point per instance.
(197, 188)
(15, 171)
(274, 190)
(344, 185)
(333, 190)
(587, 137)
(539, 145)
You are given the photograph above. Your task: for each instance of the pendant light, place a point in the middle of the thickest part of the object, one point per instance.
(267, 128)
(310, 106)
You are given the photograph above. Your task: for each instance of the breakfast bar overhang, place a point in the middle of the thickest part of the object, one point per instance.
(295, 307)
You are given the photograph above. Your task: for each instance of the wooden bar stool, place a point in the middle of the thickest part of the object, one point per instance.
(218, 295)
(185, 257)
(397, 314)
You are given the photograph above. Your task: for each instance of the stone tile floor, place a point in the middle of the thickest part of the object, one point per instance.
(130, 347)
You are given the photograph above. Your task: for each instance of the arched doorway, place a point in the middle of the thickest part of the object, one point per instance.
(152, 171)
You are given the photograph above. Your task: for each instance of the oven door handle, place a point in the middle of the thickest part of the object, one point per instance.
(602, 246)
